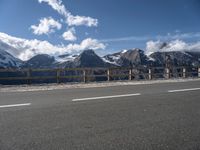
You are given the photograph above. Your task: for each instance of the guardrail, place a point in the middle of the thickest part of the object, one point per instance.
(31, 76)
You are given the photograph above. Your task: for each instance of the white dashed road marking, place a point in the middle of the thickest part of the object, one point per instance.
(15, 105)
(105, 97)
(183, 90)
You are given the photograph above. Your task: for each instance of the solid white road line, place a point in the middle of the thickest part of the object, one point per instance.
(183, 90)
(15, 105)
(105, 97)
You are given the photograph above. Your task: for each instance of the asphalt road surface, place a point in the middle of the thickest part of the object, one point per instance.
(163, 116)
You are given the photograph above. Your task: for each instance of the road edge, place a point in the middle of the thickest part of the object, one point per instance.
(49, 87)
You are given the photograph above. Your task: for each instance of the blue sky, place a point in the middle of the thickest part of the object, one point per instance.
(122, 24)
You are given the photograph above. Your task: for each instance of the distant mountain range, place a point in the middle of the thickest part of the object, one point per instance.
(88, 58)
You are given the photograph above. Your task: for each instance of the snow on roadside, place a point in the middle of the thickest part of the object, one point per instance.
(49, 87)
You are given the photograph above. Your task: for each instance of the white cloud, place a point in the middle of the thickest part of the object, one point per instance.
(71, 20)
(70, 35)
(81, 20)
(86, 44)
(178, 35)
(56, 5)
(167, 37)
(25, 49)
(46, 26)
(130, 38)
(175, 45)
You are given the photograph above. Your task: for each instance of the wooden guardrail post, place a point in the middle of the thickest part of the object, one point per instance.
(150, 74)
(184, 73)
(108, 74)
(29, 76)
(130, 74)
(167, 73)
(84, 76)
(199, 72)
(58, 76)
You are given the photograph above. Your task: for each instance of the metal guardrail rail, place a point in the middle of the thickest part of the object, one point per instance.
(29, 76)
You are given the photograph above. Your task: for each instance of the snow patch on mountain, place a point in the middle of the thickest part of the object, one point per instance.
(110, 62)
(8, 61)
(112, 58)
(65, 58)
(124, 51)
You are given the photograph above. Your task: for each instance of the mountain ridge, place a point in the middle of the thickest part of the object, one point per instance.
(88, 58)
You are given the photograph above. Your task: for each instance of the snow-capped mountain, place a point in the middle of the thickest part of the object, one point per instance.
(134, 57)
(178, 58)
(89, 58)
(40, 61)
(6, 59)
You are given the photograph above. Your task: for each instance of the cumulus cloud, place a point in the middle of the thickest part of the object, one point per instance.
(175, 45)
(81, 20)
(88, 43)
(70, 35)
(46, 26)
(25, 49)
(56, 5)
(71, 20)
